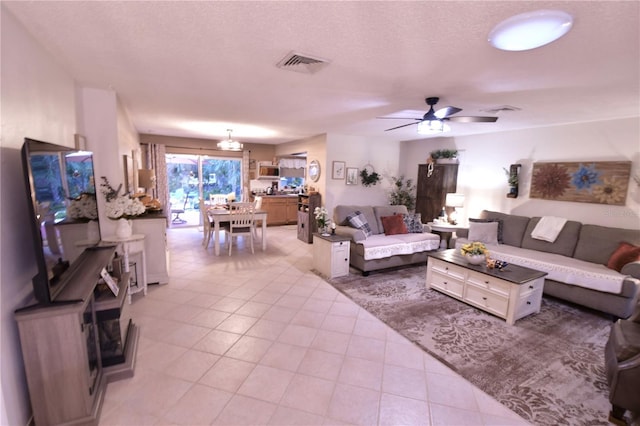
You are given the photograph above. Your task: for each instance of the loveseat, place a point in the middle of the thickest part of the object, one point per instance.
(576, 261)
(378, 239)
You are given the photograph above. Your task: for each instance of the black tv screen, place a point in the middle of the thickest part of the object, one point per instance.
(61, 189)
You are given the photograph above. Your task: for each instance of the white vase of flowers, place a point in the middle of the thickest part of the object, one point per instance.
(121, 208)
(322, 218)
(123, 228)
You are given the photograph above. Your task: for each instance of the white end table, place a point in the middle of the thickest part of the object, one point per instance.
(331, 254)
(130, 245)
(446, 231)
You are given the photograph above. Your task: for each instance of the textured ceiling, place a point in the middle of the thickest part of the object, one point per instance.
(179, 66)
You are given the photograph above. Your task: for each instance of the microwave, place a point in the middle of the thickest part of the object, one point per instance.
(268, 171)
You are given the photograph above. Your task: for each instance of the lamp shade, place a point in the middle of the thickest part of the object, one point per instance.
(146, 178)
(454, 200)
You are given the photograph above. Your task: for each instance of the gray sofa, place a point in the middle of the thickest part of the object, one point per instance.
(379, 251)
(576, 261)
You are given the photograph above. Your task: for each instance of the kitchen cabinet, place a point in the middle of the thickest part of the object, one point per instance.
(281, 209)
(432, 188)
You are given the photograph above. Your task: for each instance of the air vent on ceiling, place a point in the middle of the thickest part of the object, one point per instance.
(503, 108)
(302, 63)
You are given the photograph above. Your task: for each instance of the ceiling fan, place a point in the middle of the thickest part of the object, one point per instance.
(434, 120)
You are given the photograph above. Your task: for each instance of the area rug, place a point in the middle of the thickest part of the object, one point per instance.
(548, 367)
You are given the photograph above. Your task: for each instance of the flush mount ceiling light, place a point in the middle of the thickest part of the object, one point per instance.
(230, 145)
(530, 30)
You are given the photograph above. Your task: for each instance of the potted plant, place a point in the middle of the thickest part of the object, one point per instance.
(402, 192)
(445, 156)
(475, 252)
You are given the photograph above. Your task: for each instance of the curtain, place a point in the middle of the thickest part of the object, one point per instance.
(245, 175)
(154, 156)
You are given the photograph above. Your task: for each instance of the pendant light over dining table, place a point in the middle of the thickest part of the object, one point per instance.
(230, 145)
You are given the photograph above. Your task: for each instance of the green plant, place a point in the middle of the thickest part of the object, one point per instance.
(369, 179)
(444, 153)
(402, 192)
(512, 179)
(474, 248)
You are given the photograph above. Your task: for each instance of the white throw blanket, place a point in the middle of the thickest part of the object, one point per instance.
(548, 228)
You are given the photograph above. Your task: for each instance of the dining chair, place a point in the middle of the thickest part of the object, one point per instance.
(241, 222)
(257, 205)
(207, 225)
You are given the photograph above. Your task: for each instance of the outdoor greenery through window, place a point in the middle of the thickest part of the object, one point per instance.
(191, 177)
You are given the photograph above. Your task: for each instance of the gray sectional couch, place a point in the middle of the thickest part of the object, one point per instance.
(379, 251)
(576, 261)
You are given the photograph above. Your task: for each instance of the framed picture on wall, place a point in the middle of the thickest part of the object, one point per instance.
(338, 170)
(128, 173)
(352, 175)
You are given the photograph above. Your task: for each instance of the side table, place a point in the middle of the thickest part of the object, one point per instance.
(131, 245)
(331, 255)
(446, 231)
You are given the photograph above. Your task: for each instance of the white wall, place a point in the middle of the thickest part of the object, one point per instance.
(355, 151)
(482, 179)
(38, 101)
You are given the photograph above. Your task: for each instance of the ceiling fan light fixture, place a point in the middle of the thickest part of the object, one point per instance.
(530, 30)
(230, 145)
(430, 127)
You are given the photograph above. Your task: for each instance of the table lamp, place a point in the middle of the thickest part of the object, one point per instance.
(454, 201)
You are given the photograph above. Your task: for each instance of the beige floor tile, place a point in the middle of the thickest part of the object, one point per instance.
(284, 356)
(298, 335)
(220, 346)
(361, 372)
(266, 329)
(227, 374)
(310, 394)
(192, 365)
(242, 410)
(266, 383)
(199, 406)
(451, 391)
(325, 365)
(285, 416)
(331, 341)
(398, 410)
(249, 348)
(354, 405)
(404, 381)
(366, 348)
(217, 342)
(236, 323)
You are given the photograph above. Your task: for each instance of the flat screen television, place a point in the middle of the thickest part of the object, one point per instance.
(61, 189)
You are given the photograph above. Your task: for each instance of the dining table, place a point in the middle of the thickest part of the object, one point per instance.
(221, 215)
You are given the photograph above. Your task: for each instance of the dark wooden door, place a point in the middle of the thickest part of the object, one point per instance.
(431, 190)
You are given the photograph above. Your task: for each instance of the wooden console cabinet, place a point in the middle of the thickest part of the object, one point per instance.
(307, 225)
(61, 347)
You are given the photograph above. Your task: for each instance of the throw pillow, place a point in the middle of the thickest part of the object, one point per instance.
(413, 222)
(358, 221)
(500, 225)
(483, 232)
(393, 225)
(624, 254)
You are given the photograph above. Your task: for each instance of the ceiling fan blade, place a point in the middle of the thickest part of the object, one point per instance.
(447, 111)
(404, 125)
(473, 119)
(400, 118)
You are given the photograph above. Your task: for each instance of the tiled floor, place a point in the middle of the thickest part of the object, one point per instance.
(259, 339)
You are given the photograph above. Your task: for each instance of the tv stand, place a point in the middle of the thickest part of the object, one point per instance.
(61, 347)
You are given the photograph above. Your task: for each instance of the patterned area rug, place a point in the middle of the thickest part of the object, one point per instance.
(548, 367)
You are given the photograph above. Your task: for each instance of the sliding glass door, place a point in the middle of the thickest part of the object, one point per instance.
(191, 177)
